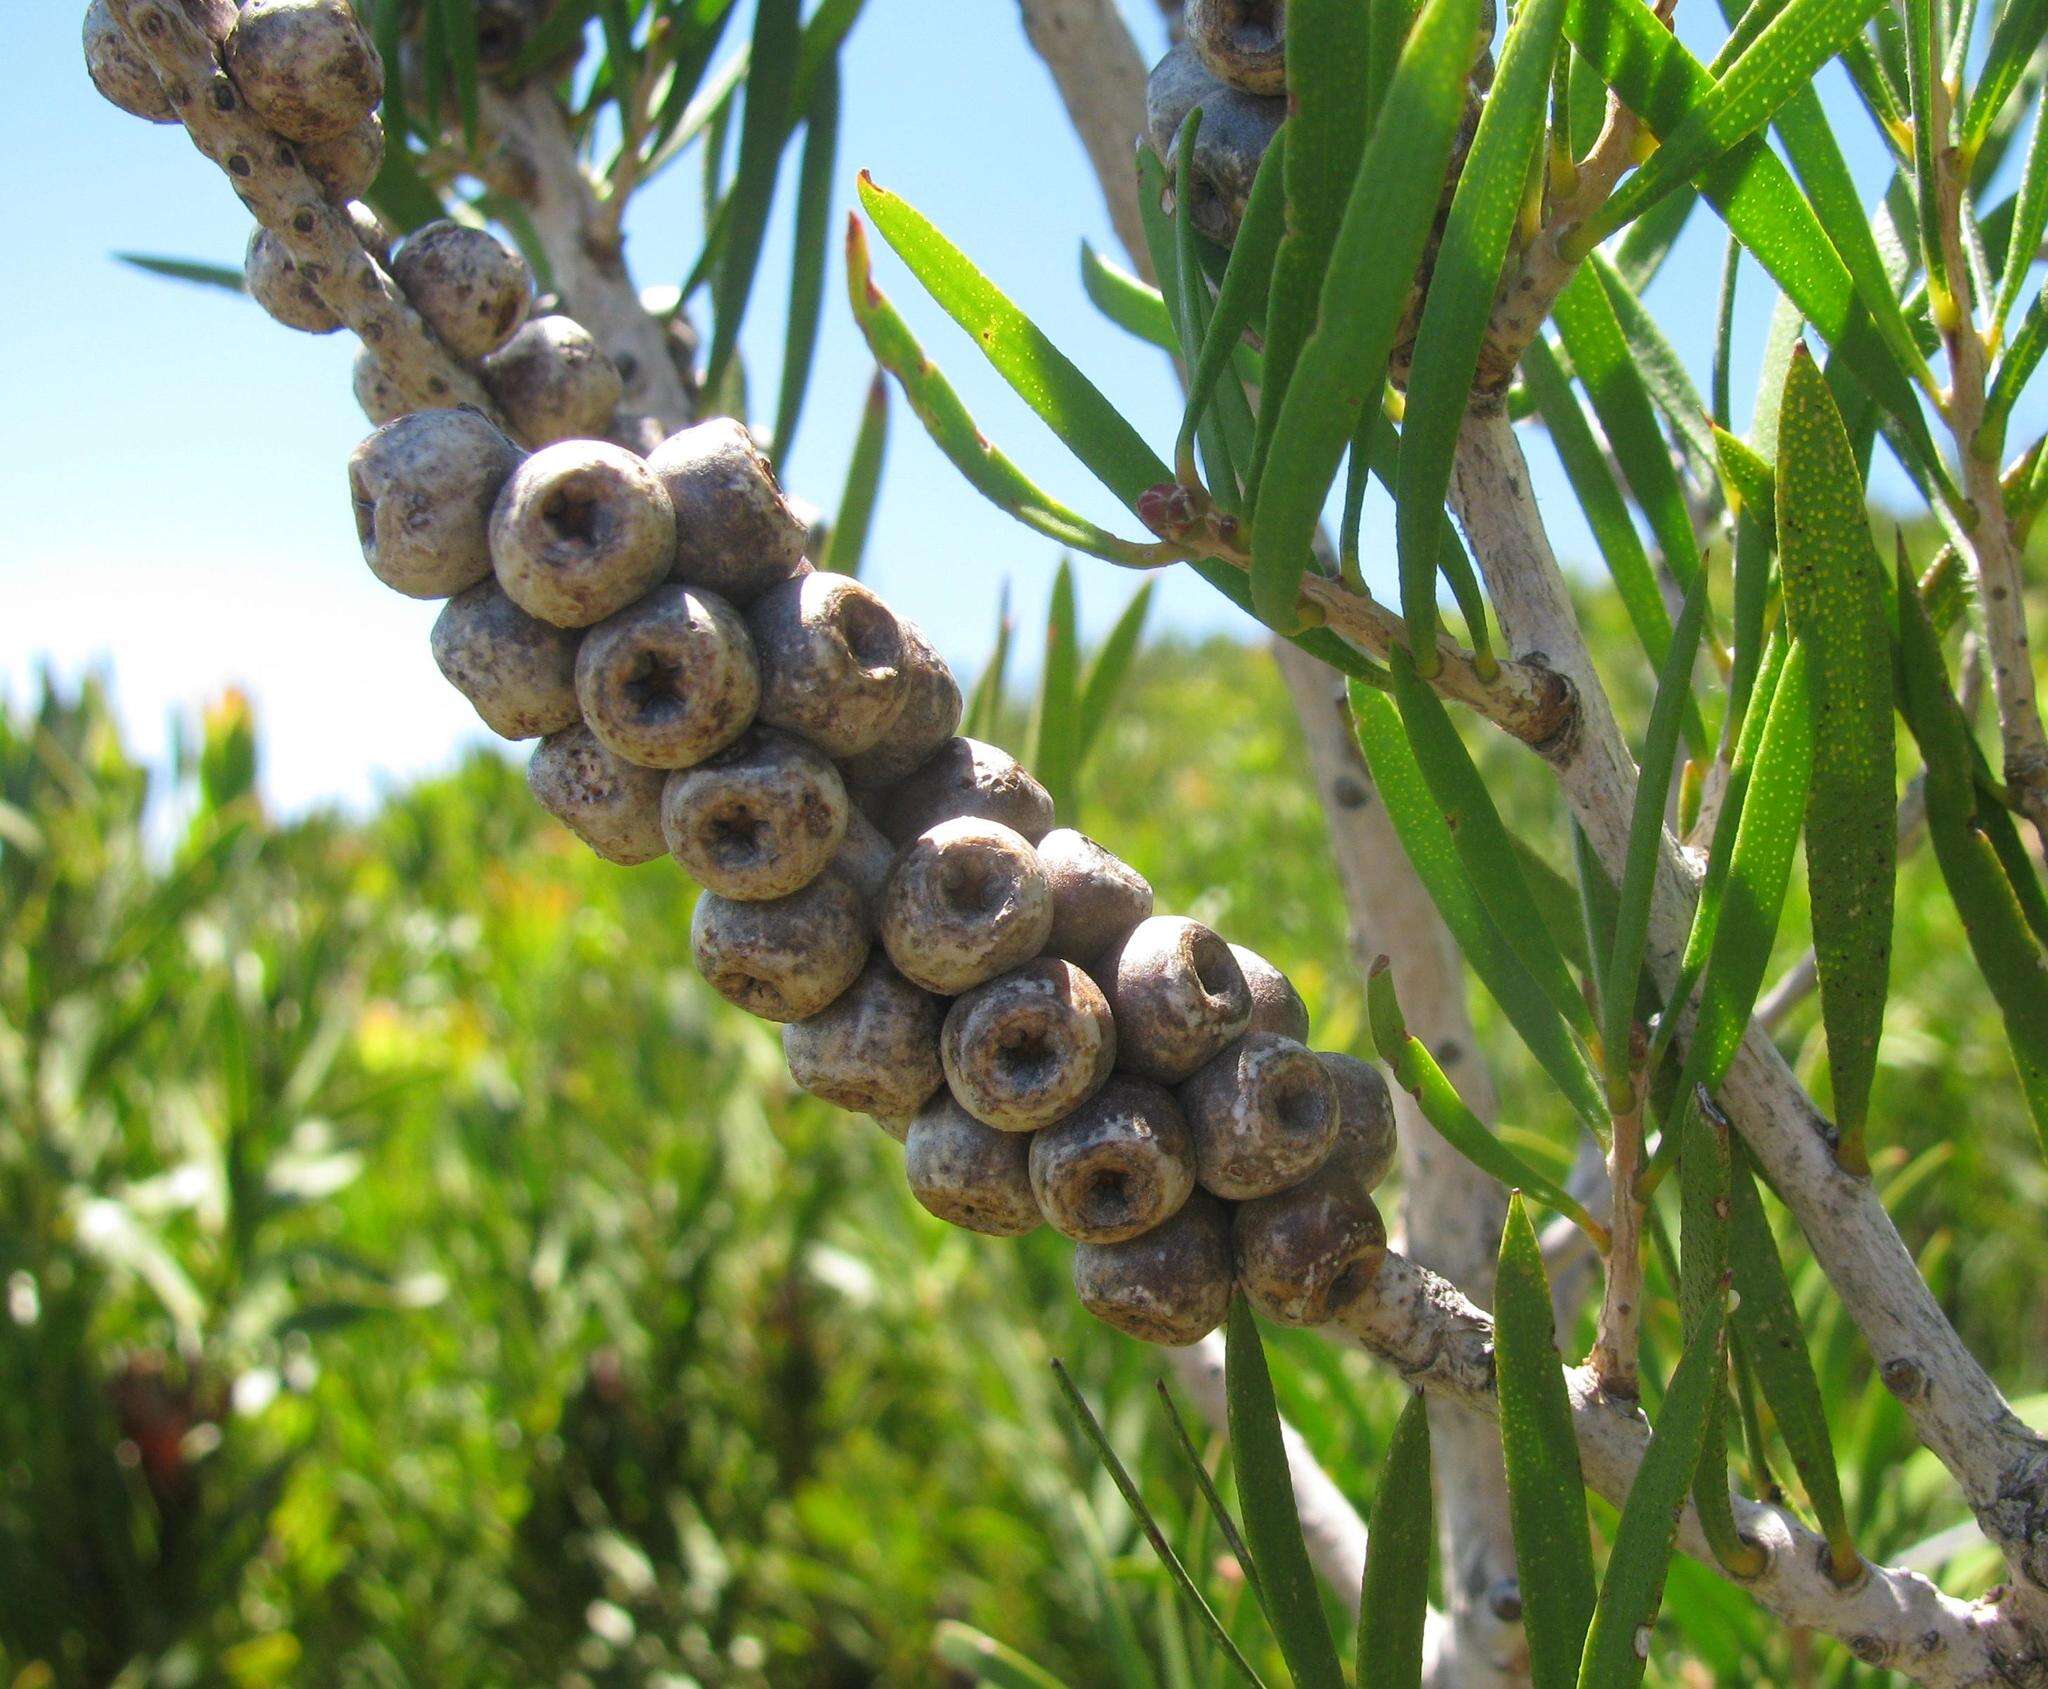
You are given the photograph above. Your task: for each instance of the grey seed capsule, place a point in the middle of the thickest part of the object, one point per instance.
(1119, 1165)
(735, 532)
(875, 1050)
(118, 71)
(866, 860)
(669, 680)
(759, 820)
(896, 1125)
(1178, 996)
(1366, 1132)
(1263, 1115)
(306, 67)
(964, 777)
(423, 488)
(1236, 130)
(1276, 1005)
(786, 959)
(580, 531)
(1096, 898)
(345, 167)
(371, 234)
(1306, 1253)
(966, 901)
(554, 382)
(1170, 1285)
(930, 716)
(276, 284)
(1028, 1047)
(375, 391)
(967, 1174)
(1244, 42)
(471, 287)
(604, 800)
(831, 662)
(519, 671)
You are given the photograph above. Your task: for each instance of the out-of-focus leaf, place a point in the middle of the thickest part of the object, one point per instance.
(1546, 1494)
(1272, 1526)
(1052, 746)
(810, 252)
(847, 543)
(765, 124)
(459, 30)
(1378, 246)
(1650, 238)
(1125, 300)
(1106, 673)
(1239, 1548)
(1664, 374)
(960, 1647)
(227, 277)
(983, 707)
(1835, 599)
(1464, 282)
(1247, 283)
(2029, 221)
(1394, 1605)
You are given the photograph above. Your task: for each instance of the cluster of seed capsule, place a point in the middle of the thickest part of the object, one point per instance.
(995, 991)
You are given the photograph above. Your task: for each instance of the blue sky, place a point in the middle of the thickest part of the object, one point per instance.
(174, 462)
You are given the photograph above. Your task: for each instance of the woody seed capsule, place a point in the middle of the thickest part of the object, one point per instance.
(1244, 42)
(735, 532)
(306, 67)
(375, 391)
(669, 680)
(873, 1051)
(968, 1174)
(1263, 1115)
(519, 671)
(1119, 1165)
(1236, 130)
(554, 382)
(1178, 996)
(866, 860)
(472, 289)
(604, 800)
(1306, 1253)
(760, 820)
(1276, 1005)
(118, 71)
(831, 662)
(581, 530)
(423, 488)
(345, 167)
(1170, 1285)
(966, 901)
(929, 717)
(1028, 1047)
(786, 959)
(965, 777)
(1366, 1133)
(1096, 898)
(276, 284)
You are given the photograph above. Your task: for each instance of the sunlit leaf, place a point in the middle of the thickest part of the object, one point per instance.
(1395, 1603)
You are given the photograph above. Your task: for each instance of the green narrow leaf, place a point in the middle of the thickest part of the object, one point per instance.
(1664, 374)
(962, 1648)
(764, 126)
(1645, 844)
(1416, 1071)
(1265, 1489)
(1050, 747)
(1546, 1494)
(2015, 370)
(1188, 298)
(1633, 1589)
(1835, 599)
(1766, 1319)
(459, 28)
(1752, 480)
(227, 277)
(2014, 42)
(1239, 1550)
(1426, 839)
(1106, 673)
(1126, 301)
(1247, 282)
(1394, 1606)
(809, 251)
(1342, 366)
(1724, 335)
(2029, 221)
(1650, 238)
(1464, 281)
(985, 706)
(846, 545)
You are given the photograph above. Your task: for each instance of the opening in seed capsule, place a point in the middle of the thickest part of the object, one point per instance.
(736, 837)
(869, 632)
(1107, 1200)
(1299, 1107)
(1351, 1282)
(574, 516)
(654, 687)
(1210, 959)
(972, 884)
(1027, 1056)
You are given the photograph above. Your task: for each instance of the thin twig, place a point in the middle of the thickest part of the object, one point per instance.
(1613, 1360)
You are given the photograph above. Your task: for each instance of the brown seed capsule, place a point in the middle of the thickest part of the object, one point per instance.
(471, 287)
(1028, 1047)
(275, 283)
(965, 777)
(554, 382)
(831, 662)
(896, 1125)
(1096, 898)
(1242, 41)
(423, 488)
(1236, 130)
(519, 671)
(306, 67)
(1170, 1285)
(581, 530)
(669, 680)
(760, 820)
(967, 901)
(345, 167)
(735, 532)
(783, 960)
(604, 800)
(1178, 996)
(929, 717)
(968, 1174)
(1276, 1005)
(375, 391)
(1306, 1253)
(1119, 1165)
(1263, 1115)
(1366, 1133)
(118, 71)
(875, 1050)
(866, 860)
